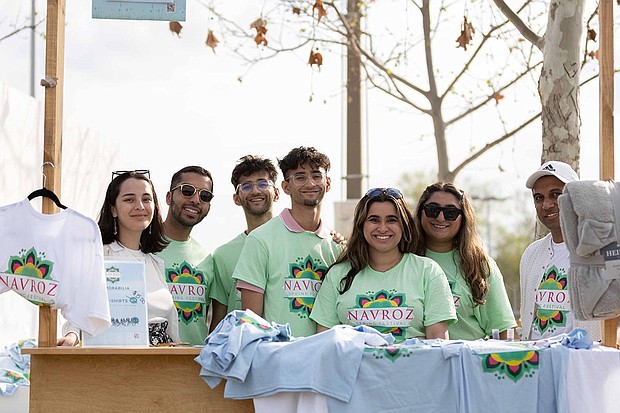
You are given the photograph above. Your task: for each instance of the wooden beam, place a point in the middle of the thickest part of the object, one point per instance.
(354, 105)
(606, 121)
(124, 380)
(52, 134)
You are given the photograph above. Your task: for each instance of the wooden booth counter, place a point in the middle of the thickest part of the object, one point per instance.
(93, 379)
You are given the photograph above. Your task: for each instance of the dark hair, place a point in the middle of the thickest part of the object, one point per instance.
(152, 239)
(357, 251)
(176, 178)
(249, 164)
(303, 155)
(475, 264)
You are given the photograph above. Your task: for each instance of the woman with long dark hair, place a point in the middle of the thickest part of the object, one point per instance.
(131, 227)
(379, 282)
(447, 233)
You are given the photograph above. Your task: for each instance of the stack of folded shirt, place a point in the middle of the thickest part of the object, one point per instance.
(588, 224)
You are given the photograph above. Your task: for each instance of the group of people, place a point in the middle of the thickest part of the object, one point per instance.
(413, 273)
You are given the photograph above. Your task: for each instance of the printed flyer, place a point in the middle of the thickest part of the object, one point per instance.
(127, 297)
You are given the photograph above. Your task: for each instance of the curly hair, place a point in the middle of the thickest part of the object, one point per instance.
(250, 164)
(475, 265)
(152, 238)
(357, 252)
(303, 155)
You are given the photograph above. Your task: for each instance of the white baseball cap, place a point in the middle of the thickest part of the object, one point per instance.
(560, 170)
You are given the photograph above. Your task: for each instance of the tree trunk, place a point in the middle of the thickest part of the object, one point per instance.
(559, 82)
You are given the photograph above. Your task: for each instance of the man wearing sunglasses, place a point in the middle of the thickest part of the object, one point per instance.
(284, 261)
(253, 179)
(545, 306)
(189, 201)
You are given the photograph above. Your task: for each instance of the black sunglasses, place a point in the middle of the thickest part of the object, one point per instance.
(188, 191)
(393, 192)
(449, 213)
(144, 172)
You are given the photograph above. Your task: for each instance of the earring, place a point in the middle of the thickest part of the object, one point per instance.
(149, 229)
(115, 227)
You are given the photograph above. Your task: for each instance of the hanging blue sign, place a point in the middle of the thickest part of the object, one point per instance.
(166, 10)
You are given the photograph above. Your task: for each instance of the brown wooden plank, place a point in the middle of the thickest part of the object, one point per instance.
(606, 122)
(151, 351)
(52, 134)
(124, 383)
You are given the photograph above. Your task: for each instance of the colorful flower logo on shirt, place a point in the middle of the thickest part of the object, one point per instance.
(389, 353)
(30, 275)
(514, 365)
(303, 283)
(186, 284)
(552, 301)
(28, 264)
(14, 377)
(246, 319)
(384, 310)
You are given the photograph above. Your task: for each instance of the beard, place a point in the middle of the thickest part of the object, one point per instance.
(177, 214)
(257, 211)
(311, 202)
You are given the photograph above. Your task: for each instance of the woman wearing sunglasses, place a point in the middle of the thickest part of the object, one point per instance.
(130, 223)
(446, 228)
(379, 282)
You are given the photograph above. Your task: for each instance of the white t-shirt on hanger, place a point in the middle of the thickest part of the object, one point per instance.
(57, 260)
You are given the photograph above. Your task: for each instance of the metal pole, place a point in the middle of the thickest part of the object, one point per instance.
(354, 106)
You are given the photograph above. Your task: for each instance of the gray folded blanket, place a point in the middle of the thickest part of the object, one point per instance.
(588, 224)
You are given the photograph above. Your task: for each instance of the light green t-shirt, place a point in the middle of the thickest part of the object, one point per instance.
(475, 321)
(225, 259)
(289, 266)
(402, 301)
(189, 286)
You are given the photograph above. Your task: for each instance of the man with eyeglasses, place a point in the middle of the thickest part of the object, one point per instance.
(284, 261)
(545, 306)
(253, 179)
(189, 201)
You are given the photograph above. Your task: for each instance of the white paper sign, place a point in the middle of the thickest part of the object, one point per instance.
(127, 298)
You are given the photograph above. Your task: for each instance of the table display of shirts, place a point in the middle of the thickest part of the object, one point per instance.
(567, 373)
(56, 260)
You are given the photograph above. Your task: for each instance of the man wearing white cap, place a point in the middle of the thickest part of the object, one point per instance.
(545, 303)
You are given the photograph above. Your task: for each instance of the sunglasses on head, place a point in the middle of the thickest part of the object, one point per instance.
(393, 192)
(247, 187)
(188, 191)
(450, 213)
(144, 172)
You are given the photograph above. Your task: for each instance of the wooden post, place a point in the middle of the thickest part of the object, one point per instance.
(606, 120)
(52, 134)
(354, 105)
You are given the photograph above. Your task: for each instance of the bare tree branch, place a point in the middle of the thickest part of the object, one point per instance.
(490, 145)
(514, 18)
(21, 29)
(490, 98)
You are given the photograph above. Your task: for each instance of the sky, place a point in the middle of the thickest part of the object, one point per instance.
(170, 101)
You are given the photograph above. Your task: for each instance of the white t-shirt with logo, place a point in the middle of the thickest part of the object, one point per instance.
(55, 260)
(552, 314)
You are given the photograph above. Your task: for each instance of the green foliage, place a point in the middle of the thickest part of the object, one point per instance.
(412, 184)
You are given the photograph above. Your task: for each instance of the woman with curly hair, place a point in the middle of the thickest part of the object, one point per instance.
(379, 282)
(447, 233)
